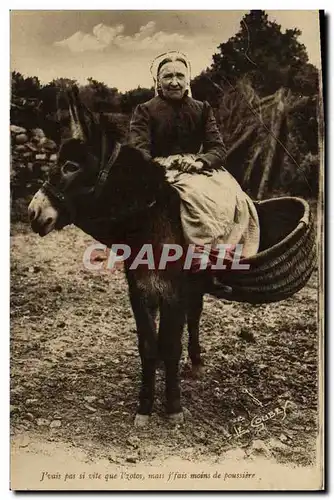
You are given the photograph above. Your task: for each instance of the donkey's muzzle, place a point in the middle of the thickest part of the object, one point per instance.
(42, 215)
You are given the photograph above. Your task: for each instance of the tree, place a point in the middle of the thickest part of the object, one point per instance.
(204, 90)
(99, 97)
(132, 98)
(63, 83)
(17, 82)
(271, 58)
(100, 88)
(25, 87)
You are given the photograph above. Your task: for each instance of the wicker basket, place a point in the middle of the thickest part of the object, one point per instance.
(286, 257)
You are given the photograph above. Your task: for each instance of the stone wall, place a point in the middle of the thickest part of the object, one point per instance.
(32, 154)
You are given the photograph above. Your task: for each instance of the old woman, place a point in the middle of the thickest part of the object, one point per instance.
(181, 134)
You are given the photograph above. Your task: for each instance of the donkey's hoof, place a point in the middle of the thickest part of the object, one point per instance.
(193, 370)
(141, 420)
(197, 371)
(176, 418)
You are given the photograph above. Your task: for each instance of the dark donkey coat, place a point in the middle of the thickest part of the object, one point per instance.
(124, 212)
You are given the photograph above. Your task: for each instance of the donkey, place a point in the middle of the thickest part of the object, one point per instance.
(115, 194)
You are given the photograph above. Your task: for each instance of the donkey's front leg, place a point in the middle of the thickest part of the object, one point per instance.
(172, 318)
(144, 310)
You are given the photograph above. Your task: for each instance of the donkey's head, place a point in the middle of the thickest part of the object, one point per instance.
(72, 180)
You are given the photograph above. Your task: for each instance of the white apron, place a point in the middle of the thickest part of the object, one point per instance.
(215, 210)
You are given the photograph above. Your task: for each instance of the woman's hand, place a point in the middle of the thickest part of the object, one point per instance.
(183, 163)
(190, 165)
(169, 162)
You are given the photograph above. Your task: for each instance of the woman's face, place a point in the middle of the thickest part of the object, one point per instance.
(173, 80)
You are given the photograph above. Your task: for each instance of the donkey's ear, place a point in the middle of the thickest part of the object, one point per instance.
(82, 120)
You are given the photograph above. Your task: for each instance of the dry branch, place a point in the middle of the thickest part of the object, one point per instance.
(276, 125)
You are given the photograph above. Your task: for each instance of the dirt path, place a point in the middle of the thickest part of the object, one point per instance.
(40, 464)
(75, 368)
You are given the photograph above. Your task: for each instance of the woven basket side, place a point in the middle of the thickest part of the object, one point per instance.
(302, 210)
(278, 218)
(292, 271)
(241, 294)
(276, 267)
(281, 270)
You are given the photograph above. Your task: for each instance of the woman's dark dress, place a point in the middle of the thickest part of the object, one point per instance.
(214, 209)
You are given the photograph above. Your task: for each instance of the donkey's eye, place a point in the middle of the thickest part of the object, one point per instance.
(70, 167)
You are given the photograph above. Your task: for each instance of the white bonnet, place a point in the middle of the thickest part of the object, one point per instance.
(171, 56)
